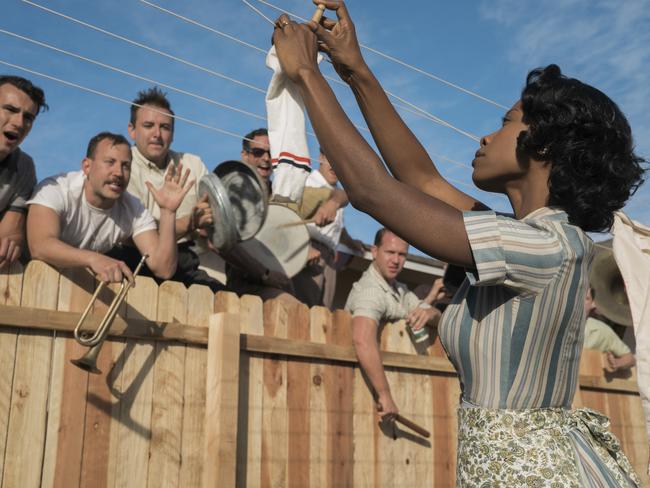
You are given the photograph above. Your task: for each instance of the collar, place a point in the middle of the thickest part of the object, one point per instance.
(138, 158)
(11, 161)
(376, 275)
(556, 213)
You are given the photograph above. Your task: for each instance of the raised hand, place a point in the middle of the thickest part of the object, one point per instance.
(339, 40)
(296, 47)
(171, 194)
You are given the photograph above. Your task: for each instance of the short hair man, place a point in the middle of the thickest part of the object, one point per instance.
(315, 285)
(151, 127)
(20, 103)
(76, 217)
(378, 297)
(601, 337)
(256, 152)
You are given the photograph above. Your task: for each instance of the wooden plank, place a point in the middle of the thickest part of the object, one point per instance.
(200, 307)
(394, 338)
(11, 284)
(48, 320)
(26, 317)
(298, 386)
(443, 424)
(136, 394)
(274, 415)
(251, 397)
(167, 406)
(320, 322)
(366, 457)
(101, 409)
(421, 403)
(221, 402)
(27, 415)
(68, 386)
(339, 390)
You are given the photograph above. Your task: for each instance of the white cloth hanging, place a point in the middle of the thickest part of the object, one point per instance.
(287, 134)
(632, 253)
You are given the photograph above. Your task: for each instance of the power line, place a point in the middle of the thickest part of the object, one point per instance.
(128, 102)
(400, 62)
(404, 104)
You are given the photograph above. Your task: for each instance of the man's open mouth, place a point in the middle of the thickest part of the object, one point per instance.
(11, 136)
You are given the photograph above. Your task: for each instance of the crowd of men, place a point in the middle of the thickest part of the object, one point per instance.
(128, 201)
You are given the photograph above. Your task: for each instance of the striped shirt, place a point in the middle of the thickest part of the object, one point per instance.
(514, 330)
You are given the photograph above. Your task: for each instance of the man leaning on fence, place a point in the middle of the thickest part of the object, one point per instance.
(20, 103)
(378, 297)
(76, 217)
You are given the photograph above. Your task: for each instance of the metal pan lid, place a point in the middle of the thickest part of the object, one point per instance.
(247, 194)
(223, 232)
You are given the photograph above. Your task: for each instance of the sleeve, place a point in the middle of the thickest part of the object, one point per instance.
(522, 255)
(49, 194)
(366, 302)
(25, 184)
(412, 301)
(143, 219)
(614, 344)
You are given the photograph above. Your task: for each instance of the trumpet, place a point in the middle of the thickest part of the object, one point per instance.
(88, 362)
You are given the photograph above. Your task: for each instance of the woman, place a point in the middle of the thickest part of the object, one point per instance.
(565, 160)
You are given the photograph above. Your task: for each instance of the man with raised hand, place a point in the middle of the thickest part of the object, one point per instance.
(20, 103)
(151, 127)
(378, 297)
(76, 217)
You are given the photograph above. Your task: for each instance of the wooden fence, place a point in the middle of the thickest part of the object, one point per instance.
(219, 391)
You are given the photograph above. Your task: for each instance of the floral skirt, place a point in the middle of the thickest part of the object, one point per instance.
(545, 447)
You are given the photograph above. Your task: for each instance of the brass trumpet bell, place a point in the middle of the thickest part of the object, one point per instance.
(88, 362)
(610, 295)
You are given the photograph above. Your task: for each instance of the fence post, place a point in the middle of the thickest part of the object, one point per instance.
(221, 401)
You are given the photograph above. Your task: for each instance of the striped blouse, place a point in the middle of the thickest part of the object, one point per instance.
(514, 330)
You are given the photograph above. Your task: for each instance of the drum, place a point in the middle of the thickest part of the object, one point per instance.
(238, 198)
(277, 252)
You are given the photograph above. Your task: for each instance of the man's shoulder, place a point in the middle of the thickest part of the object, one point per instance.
(368, 280)
(24, 161)
(68, 181)
(131, 203)
(189, 160)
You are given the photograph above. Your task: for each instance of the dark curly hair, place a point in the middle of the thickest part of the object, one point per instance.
(588, 142)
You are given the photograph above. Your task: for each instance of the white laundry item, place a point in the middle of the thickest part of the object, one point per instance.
(287, 134)
(632, 253)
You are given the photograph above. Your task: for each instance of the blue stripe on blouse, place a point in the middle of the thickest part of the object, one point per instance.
(514, 329)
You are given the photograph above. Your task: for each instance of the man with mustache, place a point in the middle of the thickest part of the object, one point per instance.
(151, 127)
(76, 217)
(20, 103)
(379, 297)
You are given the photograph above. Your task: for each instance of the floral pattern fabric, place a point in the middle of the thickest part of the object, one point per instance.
(545, 447)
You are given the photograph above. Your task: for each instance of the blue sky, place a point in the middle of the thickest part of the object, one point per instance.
(487, 47)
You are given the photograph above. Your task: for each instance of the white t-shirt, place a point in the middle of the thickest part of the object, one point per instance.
(84, 226)
(330, 234)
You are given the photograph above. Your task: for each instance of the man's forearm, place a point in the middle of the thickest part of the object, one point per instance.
(370, 360)
(400, 149)
(162, 262)
(57, 253)
(183, 226)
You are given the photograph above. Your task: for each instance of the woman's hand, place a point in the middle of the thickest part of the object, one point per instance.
(296, 47)
(339, 41)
